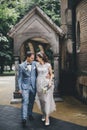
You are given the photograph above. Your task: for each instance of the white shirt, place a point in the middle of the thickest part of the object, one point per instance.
(29, 67)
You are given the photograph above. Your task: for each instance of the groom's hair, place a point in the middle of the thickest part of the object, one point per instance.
(29, 53)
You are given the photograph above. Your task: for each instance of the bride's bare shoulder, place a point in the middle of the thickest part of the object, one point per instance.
(37, 63)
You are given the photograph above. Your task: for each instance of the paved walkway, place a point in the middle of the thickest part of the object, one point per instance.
(10, 120)
(70, 114)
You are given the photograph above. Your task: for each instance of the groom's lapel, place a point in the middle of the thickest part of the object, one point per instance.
(25, 64)
(25, 67)
(32, 67)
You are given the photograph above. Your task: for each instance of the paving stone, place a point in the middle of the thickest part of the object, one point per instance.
(10, 119)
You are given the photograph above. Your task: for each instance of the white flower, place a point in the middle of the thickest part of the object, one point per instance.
(44, 89)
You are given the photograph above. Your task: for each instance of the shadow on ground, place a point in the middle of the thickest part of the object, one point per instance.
(10, 119)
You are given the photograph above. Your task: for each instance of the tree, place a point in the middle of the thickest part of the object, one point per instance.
(8, 17)
(51, 8)
(5, 54)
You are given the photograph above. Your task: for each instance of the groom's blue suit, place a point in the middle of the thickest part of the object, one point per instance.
(27, 84)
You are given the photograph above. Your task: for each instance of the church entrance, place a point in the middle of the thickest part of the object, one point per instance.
(35, 45)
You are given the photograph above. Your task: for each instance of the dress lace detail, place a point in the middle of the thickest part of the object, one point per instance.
(45, 101)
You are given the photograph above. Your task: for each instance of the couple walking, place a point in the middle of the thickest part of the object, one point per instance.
(35, 80)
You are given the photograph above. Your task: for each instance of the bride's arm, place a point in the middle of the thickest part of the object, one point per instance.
(50, 75)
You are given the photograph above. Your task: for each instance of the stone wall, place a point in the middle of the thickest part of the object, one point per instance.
(81, 48)
(81, 19)
(74, 24)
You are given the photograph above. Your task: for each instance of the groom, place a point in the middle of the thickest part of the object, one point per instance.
(27, 86)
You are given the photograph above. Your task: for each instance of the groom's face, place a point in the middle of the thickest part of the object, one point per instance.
(31, 58)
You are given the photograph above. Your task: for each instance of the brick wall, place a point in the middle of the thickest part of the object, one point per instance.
(81, 17)
(81, 42)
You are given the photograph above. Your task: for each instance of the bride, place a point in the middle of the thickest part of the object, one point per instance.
(45, 87)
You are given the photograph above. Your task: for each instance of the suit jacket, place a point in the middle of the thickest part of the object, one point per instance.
(26, 78)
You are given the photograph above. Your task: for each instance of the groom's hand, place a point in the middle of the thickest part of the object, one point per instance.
(20, 91)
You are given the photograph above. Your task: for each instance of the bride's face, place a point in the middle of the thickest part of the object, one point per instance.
(38, 59)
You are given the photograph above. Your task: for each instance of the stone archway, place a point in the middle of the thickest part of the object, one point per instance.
(35, 45)
(36, 26)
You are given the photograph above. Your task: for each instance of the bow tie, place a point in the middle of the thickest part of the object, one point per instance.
(29, 63)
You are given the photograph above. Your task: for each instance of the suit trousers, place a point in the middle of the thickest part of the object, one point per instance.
(28, 98)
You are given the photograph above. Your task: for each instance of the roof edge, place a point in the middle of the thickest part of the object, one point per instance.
(42, 14)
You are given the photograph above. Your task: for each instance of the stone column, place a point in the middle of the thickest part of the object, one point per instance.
(56, 73)
(16, 96)
(56, 78)
(16, 75)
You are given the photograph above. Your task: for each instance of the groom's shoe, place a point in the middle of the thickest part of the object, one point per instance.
(23, 122)
(43, 118)
(31, 118)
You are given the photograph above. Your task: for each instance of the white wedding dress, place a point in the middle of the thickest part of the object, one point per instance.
(45, 101)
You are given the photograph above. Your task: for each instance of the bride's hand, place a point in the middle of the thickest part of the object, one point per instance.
(50, 84)
(48, 76)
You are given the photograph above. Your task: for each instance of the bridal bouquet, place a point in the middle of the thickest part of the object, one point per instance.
(45, 88)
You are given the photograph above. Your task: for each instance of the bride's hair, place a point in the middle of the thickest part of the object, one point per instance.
(43, 56)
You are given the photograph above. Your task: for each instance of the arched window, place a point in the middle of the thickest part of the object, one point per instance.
(78, 38)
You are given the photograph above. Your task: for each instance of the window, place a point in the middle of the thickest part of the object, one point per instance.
(78, 38)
